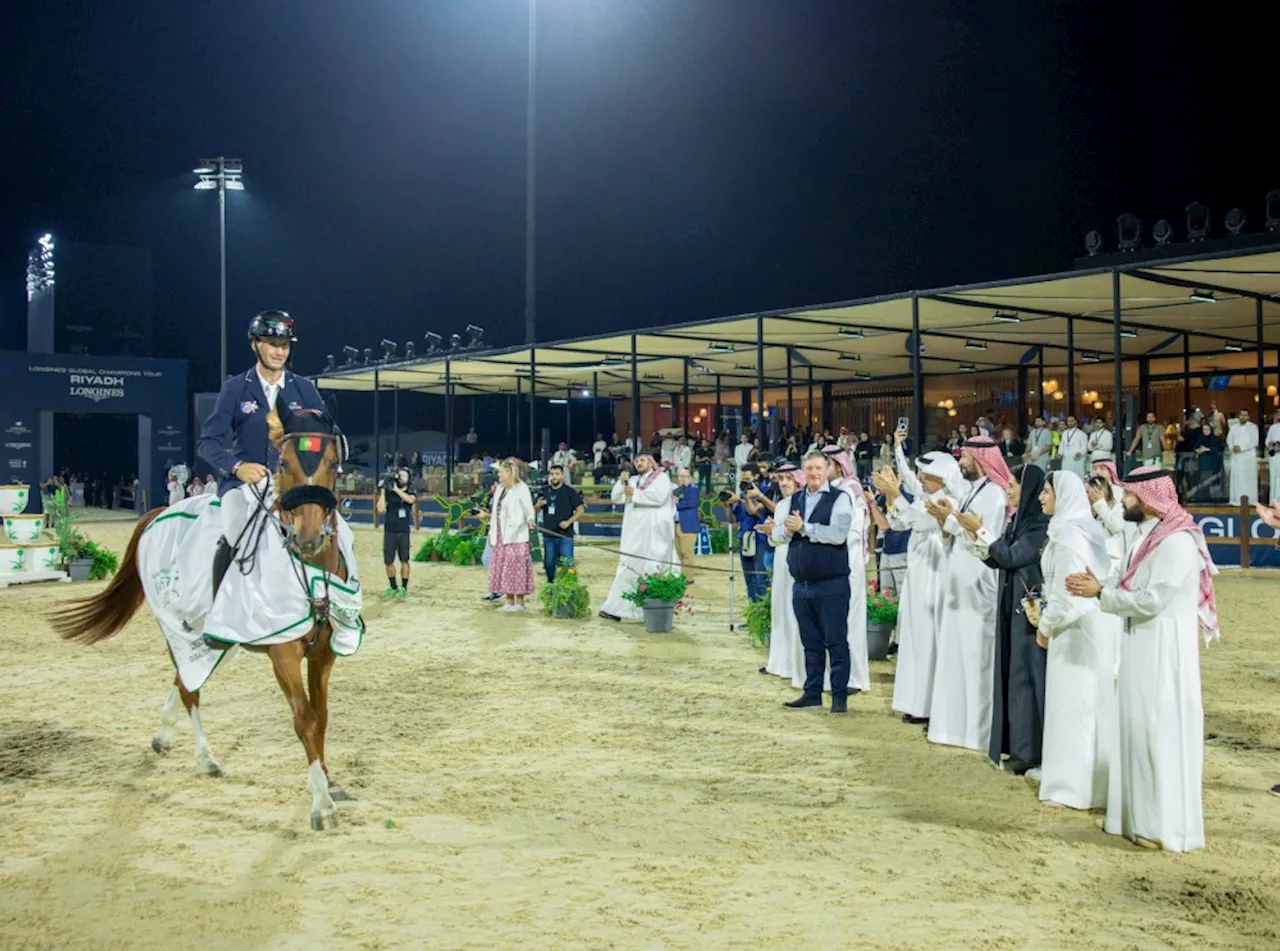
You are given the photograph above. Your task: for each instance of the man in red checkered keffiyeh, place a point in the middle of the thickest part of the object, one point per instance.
(1155, 489)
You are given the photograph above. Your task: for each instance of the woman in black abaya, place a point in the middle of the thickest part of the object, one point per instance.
(1017, 713)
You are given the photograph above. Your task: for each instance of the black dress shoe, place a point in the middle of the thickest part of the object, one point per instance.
(609, 617)
(764, 670)
(1017, 766)
(893, 649)
(803, 701)
(839, 705)
(854, 691)
(908, 718)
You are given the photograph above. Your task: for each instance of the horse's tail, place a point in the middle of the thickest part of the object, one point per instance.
(93, 619)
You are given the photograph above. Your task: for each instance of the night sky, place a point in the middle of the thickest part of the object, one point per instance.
(697, 158)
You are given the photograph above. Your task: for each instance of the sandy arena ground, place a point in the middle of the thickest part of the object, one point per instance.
(524, 783)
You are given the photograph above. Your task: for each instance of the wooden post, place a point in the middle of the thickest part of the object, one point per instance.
(1246, 554)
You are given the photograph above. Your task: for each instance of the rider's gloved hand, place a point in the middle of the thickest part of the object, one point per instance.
(250, 473)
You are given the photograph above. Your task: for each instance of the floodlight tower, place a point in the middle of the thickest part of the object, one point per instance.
(221, 173)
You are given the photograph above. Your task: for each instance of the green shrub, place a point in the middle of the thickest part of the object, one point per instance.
(666, 586)
(882, 606)
(566, 590)
(760, 618)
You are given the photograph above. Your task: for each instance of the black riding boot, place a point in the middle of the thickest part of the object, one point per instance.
(221, 562)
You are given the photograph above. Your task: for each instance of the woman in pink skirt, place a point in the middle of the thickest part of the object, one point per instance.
(510, 565)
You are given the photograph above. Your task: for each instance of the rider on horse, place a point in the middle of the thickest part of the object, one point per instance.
(241, 413)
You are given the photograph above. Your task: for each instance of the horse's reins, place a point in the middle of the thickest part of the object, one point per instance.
(266, 515)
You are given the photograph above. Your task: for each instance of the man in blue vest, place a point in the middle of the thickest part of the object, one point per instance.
(241, 414)
(818, 558)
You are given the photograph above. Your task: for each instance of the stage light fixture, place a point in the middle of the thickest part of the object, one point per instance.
(862, 377)
(1005, 317)
(455, 341)
(1162, 232)
(389, 348)
(410, 350)
(349, 356)
(1093, 242)
(850, 333)
(432, 340)
(1235, 221)
(1129, 231)
(974, 345)
(719, 346)
(1233, 347)
(1090, 356)
(968, 367)
(1126, 332)
(1273, 209)
(368, 355)
(329, 363)
(1203, 297)
(475, 333)
(1198, 220)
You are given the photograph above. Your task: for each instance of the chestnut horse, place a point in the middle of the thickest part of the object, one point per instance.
(305, 519)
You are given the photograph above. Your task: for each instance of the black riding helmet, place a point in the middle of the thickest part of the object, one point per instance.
(272, 325)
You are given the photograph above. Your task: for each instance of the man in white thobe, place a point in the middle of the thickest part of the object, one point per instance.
(1100, 443)
(741, 456)
(1039, 444)
(1242, 446)
(648, 539)
(667, 452)
(565, 458)
(597, 450)
(963, 684)
(920, 599)
(1273, 458)
(683, 455)
(1165, 594)
(1074, 450)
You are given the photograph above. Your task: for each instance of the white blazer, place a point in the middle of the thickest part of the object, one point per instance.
(517, 511)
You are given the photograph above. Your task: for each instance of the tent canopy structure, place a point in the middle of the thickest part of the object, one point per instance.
(1206, 305)
(1202, 305)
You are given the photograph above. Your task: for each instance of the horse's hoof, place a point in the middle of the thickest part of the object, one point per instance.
(322, 818)
(338, 794)
(161, 746)
(212, 770)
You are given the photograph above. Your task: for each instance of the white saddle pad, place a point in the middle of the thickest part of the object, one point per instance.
(267, 606)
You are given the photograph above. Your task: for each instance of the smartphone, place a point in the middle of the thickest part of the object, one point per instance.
(902, 424)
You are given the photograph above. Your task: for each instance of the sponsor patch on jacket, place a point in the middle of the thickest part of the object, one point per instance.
(249, 406)
(294, 406)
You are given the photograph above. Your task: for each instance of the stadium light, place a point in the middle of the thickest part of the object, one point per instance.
(222, 174)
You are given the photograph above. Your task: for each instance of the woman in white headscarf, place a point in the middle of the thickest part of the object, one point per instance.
(1080, 728)
(920, 600)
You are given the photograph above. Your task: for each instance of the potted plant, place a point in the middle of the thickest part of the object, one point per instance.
(427, 550)
(760, 618)
(882, 617)
(566, 596)
(468, 550)
(446, 544)
(659, 595)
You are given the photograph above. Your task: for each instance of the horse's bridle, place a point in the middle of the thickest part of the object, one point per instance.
(280, 515)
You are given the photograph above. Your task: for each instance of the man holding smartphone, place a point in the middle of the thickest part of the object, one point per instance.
(561, 506)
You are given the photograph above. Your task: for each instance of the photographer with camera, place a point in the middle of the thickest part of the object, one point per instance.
(748, 510)
(687, 498)
(561, 506)
(396, 508)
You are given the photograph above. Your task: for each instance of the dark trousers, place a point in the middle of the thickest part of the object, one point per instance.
(822, 612)
(553, 549)
(704, 479)
(753, 572)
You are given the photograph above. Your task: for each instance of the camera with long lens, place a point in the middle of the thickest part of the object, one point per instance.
(745, 486)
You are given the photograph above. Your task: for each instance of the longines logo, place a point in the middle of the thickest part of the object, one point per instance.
(93, 386)
(17, 429)
(17, 445)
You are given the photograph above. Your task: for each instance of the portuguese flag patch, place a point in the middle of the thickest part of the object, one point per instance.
(310, 444)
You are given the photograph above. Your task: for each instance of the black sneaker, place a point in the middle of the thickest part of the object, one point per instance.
(803, 701)
(492, 597)
(839, 705)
